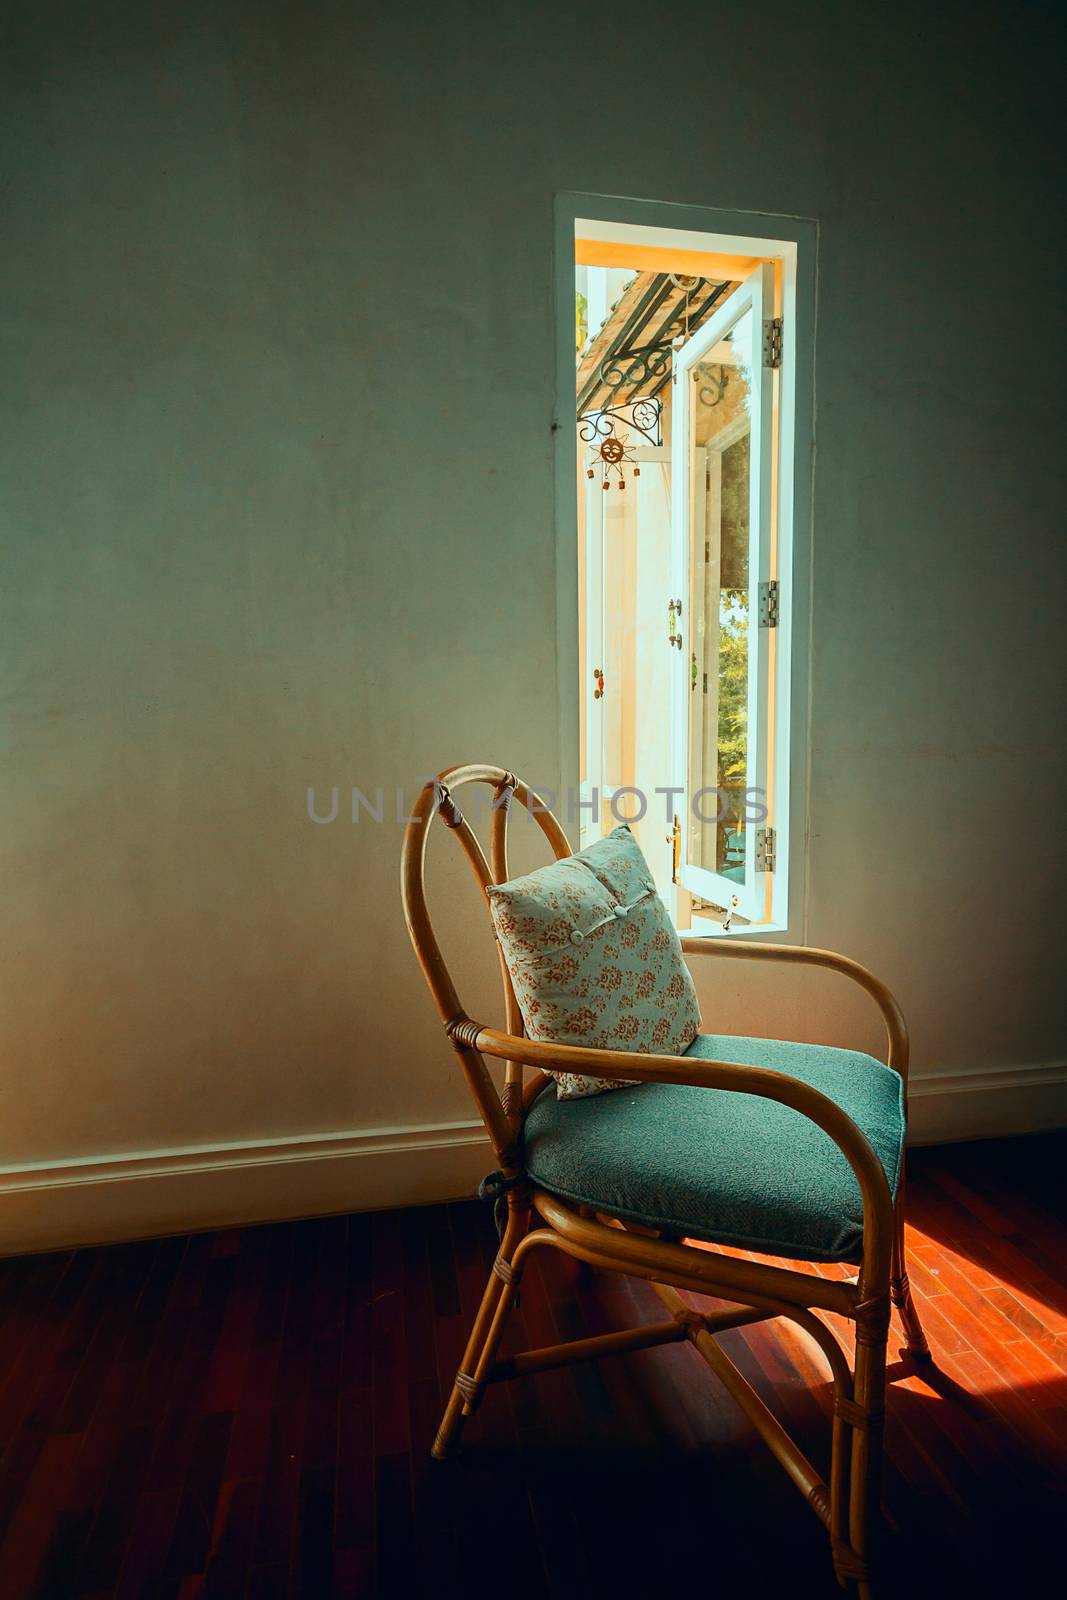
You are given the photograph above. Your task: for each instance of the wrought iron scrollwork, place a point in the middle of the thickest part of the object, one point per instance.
(643, 415)
(711, 391)
(662, 312)
(631, 369)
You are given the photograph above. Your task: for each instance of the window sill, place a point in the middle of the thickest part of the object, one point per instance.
(761, 930)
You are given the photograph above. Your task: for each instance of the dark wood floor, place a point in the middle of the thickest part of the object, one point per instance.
(250, 1413)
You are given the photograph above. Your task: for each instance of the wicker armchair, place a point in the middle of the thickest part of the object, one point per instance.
(537, 1217)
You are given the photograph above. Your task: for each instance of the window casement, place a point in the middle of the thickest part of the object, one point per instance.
(686, 382)
(721, 556)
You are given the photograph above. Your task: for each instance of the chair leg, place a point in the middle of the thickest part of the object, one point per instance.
(840, 1449)
(867, 1416)
(489, 1324)
(915, 1342)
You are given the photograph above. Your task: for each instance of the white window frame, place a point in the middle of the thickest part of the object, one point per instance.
(755, 297)
(791, 244)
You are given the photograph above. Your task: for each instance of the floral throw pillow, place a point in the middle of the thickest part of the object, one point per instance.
(594, 959)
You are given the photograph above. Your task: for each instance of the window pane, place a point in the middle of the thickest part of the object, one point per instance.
(721, 598)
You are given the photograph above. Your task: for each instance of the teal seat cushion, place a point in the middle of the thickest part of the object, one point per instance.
(729, 1168)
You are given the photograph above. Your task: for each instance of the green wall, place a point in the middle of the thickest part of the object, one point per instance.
(276, 298)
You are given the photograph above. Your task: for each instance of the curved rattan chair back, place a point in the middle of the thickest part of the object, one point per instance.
(440, 798)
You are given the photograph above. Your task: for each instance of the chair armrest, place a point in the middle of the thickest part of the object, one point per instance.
(734, 1077)
(807, 955)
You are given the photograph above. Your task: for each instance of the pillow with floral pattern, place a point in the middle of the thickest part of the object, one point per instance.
(594, 959)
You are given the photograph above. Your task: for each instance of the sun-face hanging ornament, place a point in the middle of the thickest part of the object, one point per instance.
(613, 455)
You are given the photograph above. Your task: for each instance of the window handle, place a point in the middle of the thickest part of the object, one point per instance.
(674, 839)
(598, 678)
(674, 627)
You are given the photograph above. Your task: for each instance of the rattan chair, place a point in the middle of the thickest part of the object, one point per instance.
(755, 1291)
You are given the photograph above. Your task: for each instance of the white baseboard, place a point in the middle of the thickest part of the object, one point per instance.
(990, 1103)
(102, 1199)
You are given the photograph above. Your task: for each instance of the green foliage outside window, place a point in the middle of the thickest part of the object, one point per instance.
(581, 321)
(733, 688)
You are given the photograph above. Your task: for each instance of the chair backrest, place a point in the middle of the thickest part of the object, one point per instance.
(440, 798)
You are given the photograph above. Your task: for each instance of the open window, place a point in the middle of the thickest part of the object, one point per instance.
(685, 411)
(721, 467)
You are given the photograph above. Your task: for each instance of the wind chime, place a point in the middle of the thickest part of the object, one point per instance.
(612, 455)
